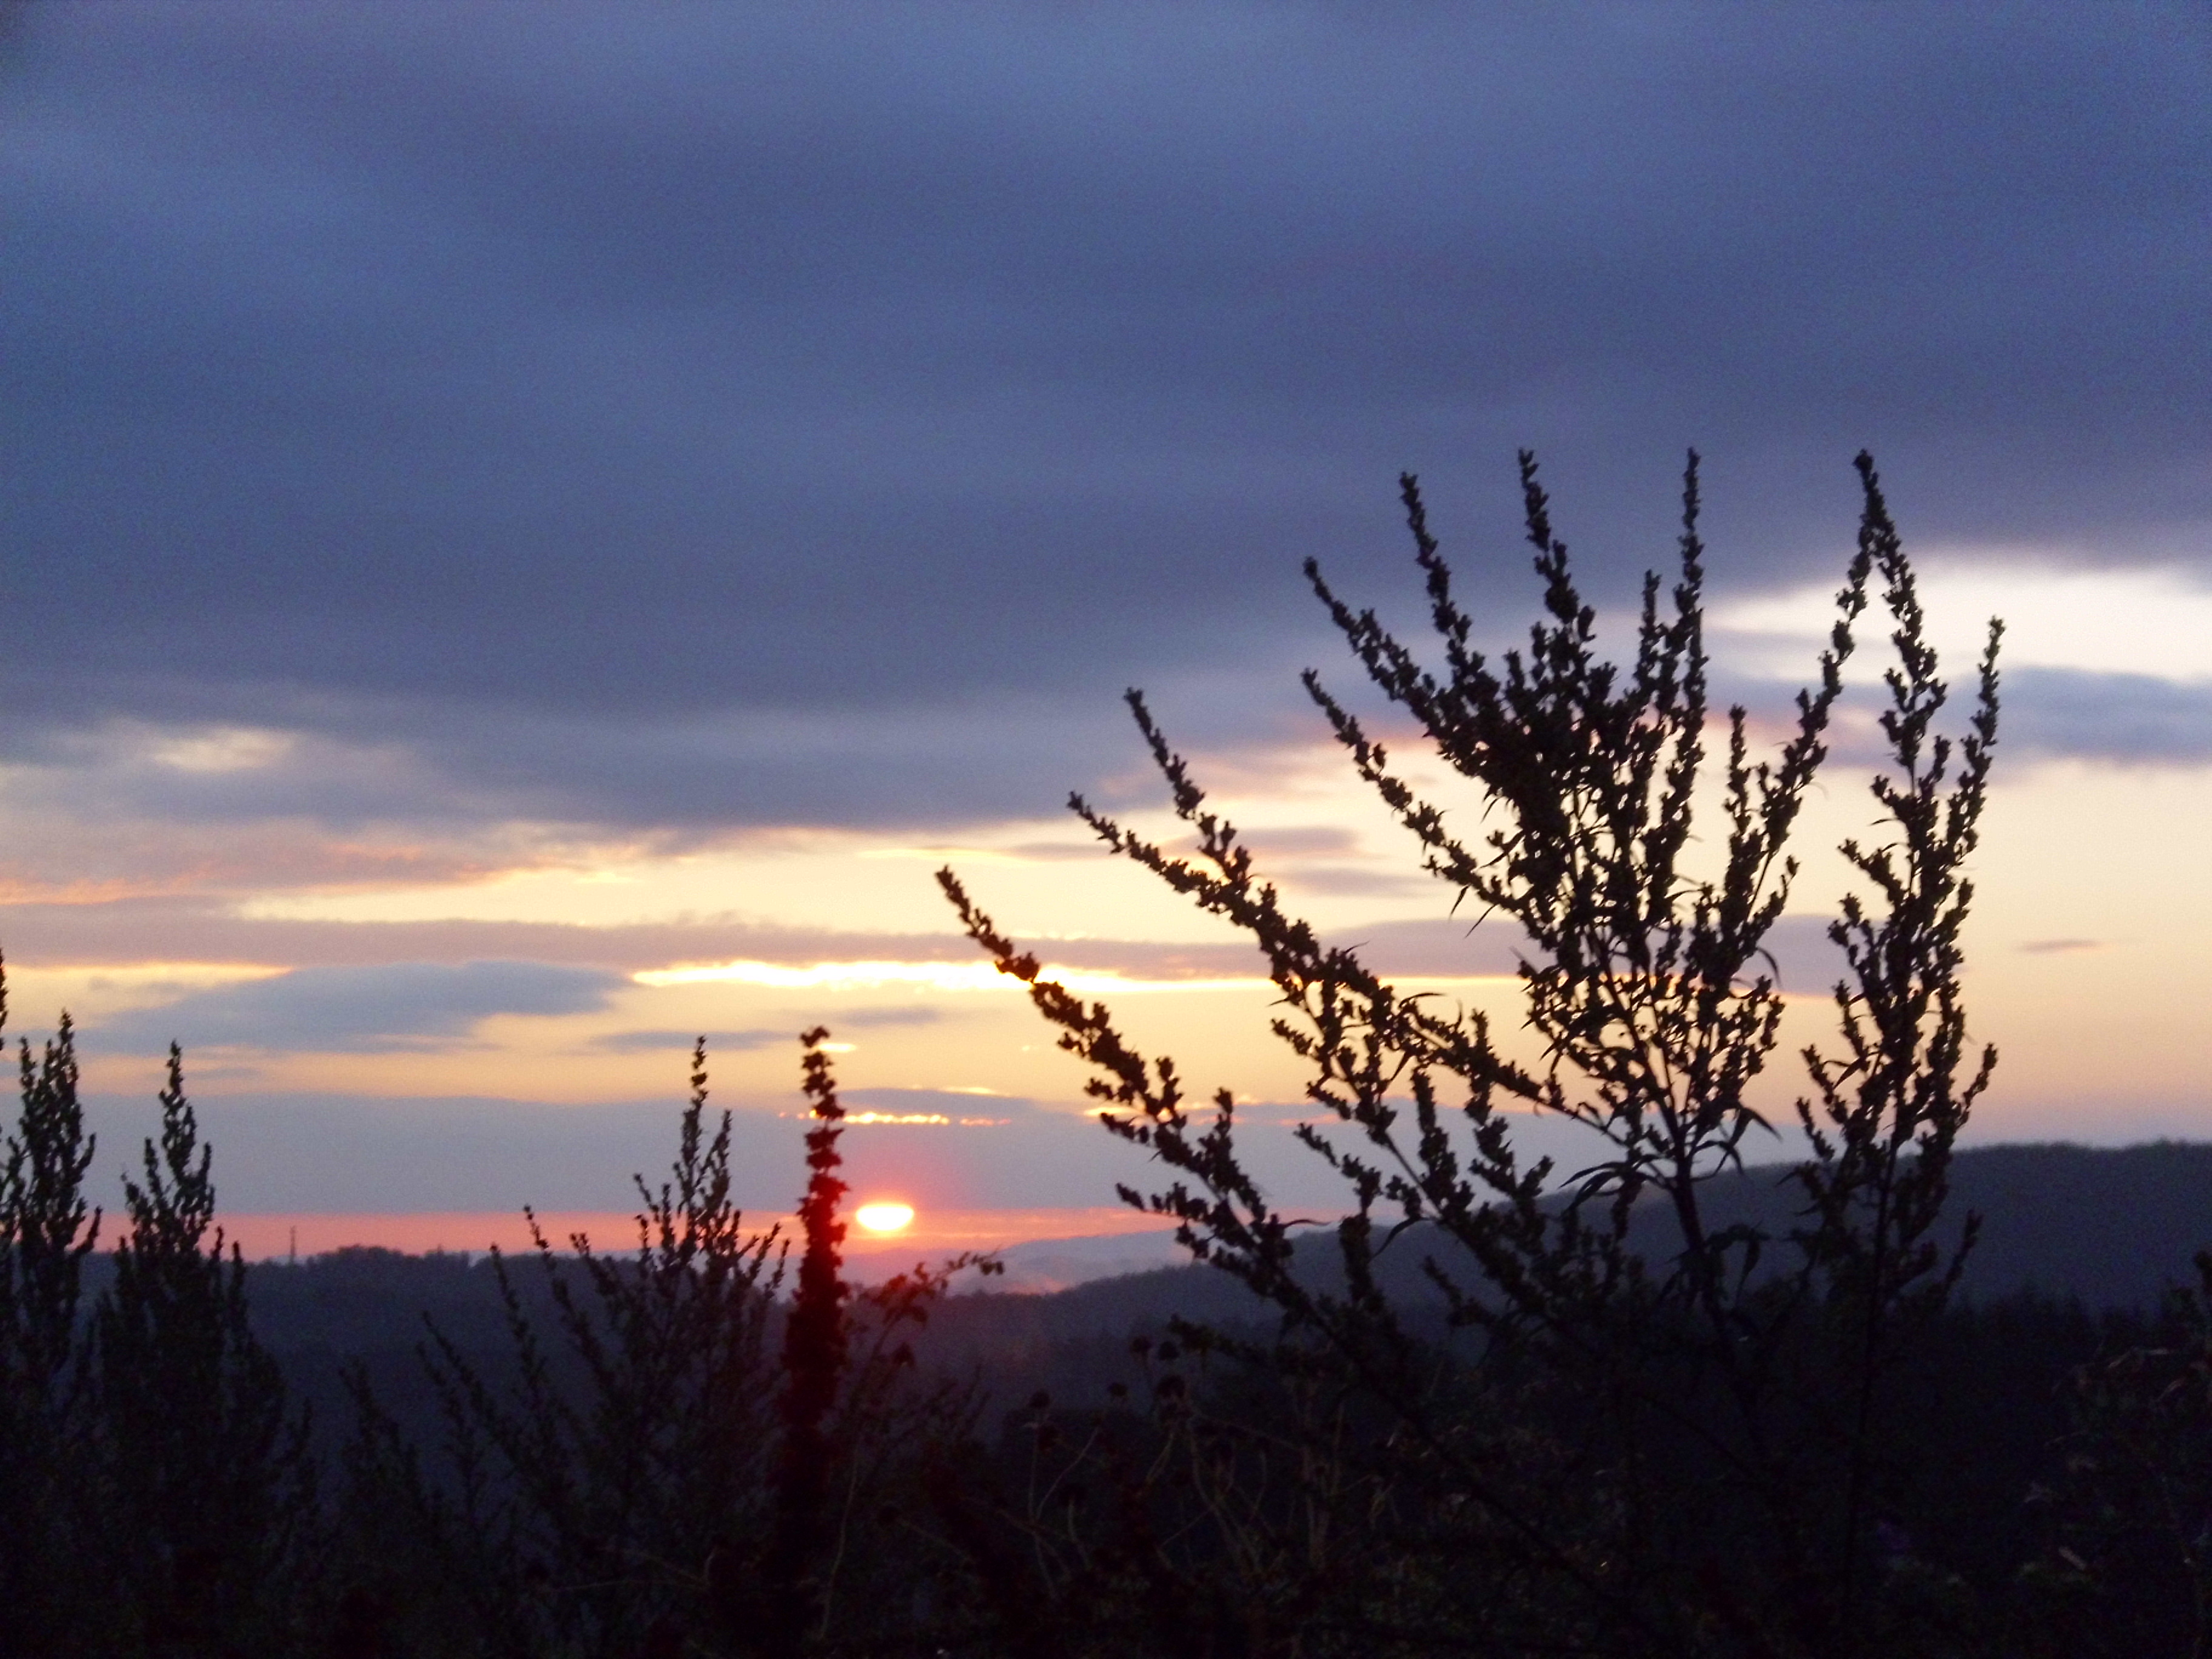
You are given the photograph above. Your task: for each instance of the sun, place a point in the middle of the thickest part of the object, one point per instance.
(884, 1218)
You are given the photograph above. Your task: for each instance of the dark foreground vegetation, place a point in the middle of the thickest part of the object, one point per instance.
(1664, 1405)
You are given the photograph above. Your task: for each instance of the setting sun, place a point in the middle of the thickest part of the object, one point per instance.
(884, 1218)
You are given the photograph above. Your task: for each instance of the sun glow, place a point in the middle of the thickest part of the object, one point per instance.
(884, 1218)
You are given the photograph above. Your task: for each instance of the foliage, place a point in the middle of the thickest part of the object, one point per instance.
(813, 1363)
(205, 1481)
(47, 1230)
(1728, 1419)
(157, 1497)
(44, 1221)
(2129, 1559)
(655, 1470)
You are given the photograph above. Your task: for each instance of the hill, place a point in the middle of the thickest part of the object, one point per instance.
(2108, 1228)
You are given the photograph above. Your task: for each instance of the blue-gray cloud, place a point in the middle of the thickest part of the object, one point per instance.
(429, 373)
(2125, 718)
(359, 1010)
(372, 1153)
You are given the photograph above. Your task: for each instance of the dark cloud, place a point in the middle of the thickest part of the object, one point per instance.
(2044, 714)
(359, 1010)
(440, 374)
(379, 1154)
(173, 929)
(376, 1153)
(356, 764)
(192, 930)
(2122, 718)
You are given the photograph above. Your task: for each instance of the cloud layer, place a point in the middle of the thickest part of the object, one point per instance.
(360, 1010)
(691, 407)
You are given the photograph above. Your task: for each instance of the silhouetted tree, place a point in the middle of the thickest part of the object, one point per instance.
(582, 1484)
(47, 1230)
(205, 1488)
(814, 1355)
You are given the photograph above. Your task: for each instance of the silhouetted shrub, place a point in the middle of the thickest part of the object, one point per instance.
(1693, 1453)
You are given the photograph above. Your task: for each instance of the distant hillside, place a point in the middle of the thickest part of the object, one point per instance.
(2111, 1228)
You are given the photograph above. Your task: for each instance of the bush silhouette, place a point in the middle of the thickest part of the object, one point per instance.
(1685, 1455)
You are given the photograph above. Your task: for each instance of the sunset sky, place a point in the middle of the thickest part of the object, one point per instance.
(531, 531)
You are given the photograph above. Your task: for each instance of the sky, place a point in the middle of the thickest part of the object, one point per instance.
(531, 531)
